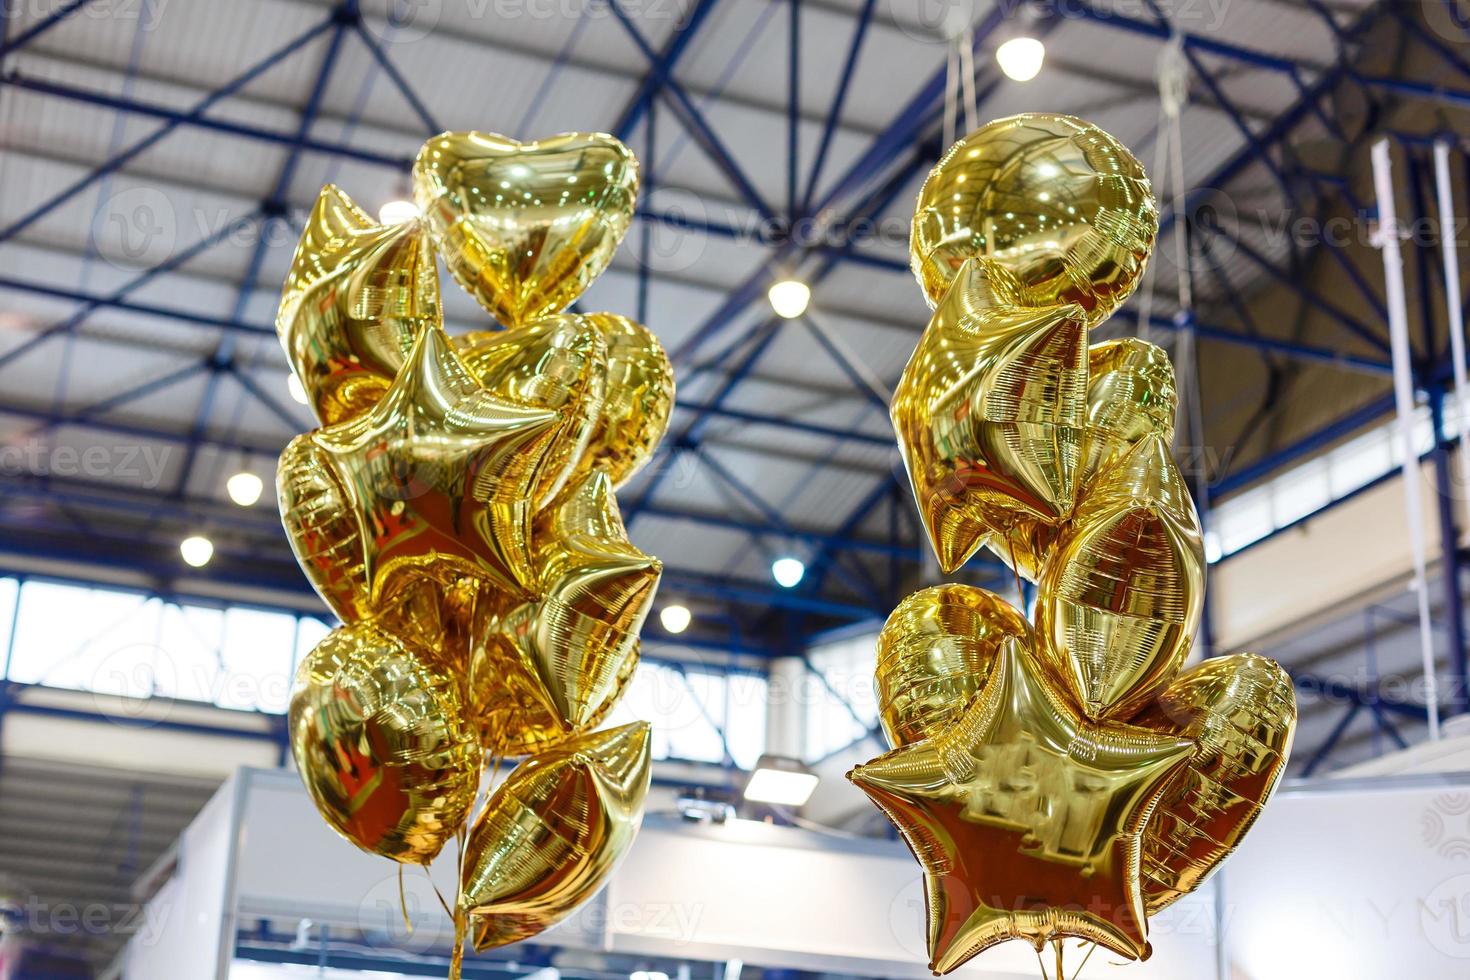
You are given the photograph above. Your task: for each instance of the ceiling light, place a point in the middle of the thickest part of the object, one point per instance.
(1020, 58)
(779, 780)
(789, 298)
(397, 212)
(788, 571)
(196, 550)
(244, 488)
(296, 388)
(675, 618)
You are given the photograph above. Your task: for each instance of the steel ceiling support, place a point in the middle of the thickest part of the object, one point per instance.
(693, 119)
(405, 88)
(122, 292)
(344, 16)
(793, 109)
(52, 19)
(839, 99)
(119, 160)
(661, 67)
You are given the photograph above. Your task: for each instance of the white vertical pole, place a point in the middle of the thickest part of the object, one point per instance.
(1447, 224)
(1403, 390)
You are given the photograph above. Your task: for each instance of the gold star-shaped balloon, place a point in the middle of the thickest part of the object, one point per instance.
(1026, 817)
(357, 295)
(543, 670)
(989, 413)
(434, 480)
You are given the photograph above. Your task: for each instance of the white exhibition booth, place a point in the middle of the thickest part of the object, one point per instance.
(1342, 878)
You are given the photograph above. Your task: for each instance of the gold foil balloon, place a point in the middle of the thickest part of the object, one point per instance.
(526, 227)
(640, 397)
(548, 668)
(989, 415)
(1120, 597)
(377, 734)
(1241, 713)
(1026, 817)
(935, 652)
(437, 477)
(557, 363)
(357, 295)
(551, 835)
(1055, 201)
(1130, 394)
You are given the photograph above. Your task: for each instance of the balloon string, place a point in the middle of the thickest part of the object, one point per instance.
(1057, 945)
(1041, 965)
(1016, 570)
(403, 901)
(456, 958)
(1091, 948)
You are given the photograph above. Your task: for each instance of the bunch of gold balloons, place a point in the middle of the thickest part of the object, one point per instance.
(1065, 779)
(456, 510)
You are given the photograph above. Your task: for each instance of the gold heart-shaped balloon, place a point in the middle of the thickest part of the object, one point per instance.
(1060, 204)
(935, 652)
(543, 670)
(1120, 595)
(552, 833)
(989, 414)
(378, 733)
(640, 396)
(1240, 711)
(357, 296)
(525, 227)
(558, 363)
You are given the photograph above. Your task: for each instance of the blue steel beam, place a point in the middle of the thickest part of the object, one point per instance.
(839, 99)
(693, 119)
(61, 13)
(405, 88)
(659, 71)
(119, 160)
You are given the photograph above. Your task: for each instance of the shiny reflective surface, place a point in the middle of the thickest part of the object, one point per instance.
(377, 734)
(525, 227)
(558, 363)
(1241, 713)
(1130, 394)
(989, 416)
(552, 833)
(1026, 817)
(545, 669)
(640, 398)
(1058, 203)
(1120, 597)
(935, 652)
(457, 511)
(357, 295)
(437, 477)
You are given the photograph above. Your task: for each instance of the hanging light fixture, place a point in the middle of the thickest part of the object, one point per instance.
(789, 298)
(244, 488)
(1021, 58)
(196, 550)
(675, 618)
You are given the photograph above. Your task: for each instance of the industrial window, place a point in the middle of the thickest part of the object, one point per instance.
(131, 644)
(691, 709)
(841, 705)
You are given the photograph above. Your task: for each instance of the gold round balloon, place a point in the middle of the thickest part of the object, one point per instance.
(552, 833)
(1120, 596)
(989, 416)
(935, 652)
(357, 295)
(1054, 201)
(1026, 817)
(1241, 713)
(435, 478)
(1130, 394)
(543, 670)
(640, 398)
(558, 363)
(525, 227)
(377, 734)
